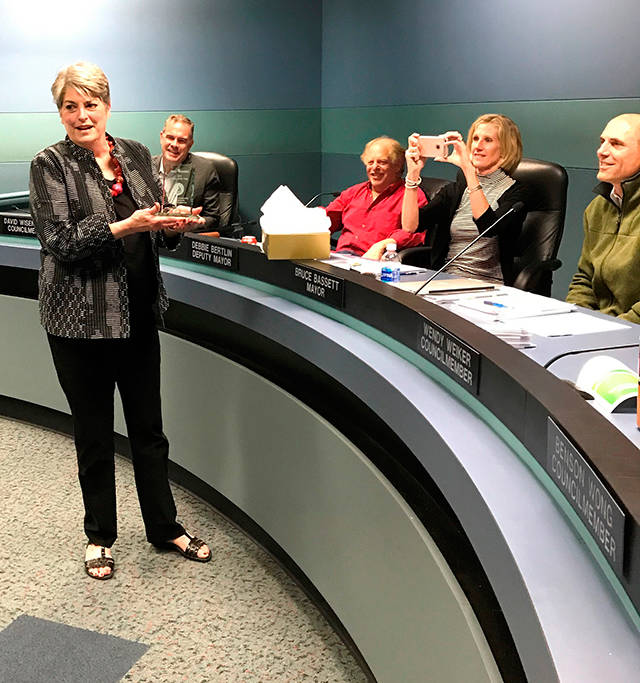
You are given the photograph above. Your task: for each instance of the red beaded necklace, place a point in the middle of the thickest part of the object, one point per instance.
(116, 188)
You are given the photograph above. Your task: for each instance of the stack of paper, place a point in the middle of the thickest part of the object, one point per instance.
(509, 304)
(516, 336)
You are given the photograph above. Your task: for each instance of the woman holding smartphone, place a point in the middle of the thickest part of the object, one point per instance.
(482, 192)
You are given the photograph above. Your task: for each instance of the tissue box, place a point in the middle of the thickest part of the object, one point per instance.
(290, 230)
(296, 246)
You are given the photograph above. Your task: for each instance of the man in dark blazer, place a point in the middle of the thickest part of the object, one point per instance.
(187, 178)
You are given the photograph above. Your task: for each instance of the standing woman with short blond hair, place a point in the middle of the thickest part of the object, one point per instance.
(94, 202)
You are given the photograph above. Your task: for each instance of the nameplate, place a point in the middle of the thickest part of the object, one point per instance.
(212, 254)
(586, 494)
(17, 224)
(448, 353)
(318, 285)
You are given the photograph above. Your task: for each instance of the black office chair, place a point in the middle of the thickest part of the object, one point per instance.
(537, 248)
(421, 256)
(227, 169)
(431, 186)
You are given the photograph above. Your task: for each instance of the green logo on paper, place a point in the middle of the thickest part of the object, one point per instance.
(616, 385)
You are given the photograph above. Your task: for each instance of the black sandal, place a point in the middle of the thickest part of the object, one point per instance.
(190, 552)
(101, 562)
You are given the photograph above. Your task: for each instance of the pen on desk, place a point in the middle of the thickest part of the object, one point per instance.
(494, 303)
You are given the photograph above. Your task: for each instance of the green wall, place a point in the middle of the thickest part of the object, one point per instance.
(247, 72)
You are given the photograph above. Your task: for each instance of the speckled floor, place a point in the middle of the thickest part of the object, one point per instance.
(237, 618)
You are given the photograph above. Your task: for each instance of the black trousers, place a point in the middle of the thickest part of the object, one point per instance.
(89, 370)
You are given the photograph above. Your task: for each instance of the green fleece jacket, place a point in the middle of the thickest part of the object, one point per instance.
(608, 277)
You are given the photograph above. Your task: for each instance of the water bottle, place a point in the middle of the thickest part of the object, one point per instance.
(390, 273)
(386, 274)
(391, 253)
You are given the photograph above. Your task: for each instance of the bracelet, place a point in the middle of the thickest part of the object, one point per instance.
(476, 188)
(412, 184)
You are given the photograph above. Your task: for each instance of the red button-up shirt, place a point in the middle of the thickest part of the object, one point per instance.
(364, 221)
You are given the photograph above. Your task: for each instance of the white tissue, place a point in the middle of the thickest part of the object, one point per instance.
(284, 213)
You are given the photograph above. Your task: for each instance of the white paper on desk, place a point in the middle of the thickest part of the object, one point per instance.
(565, 324)
(284, 213)
(510, 304)
(370, 266)
(516, 336)
(450, 299)
(352, 262)
(338, 261)
(447, 286)
(367, 266)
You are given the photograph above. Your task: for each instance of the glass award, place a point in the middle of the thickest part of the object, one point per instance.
(178, 190)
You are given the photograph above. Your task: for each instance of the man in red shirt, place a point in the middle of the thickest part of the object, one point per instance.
(369, 213)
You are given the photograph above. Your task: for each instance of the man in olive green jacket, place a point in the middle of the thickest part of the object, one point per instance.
(608, 277)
